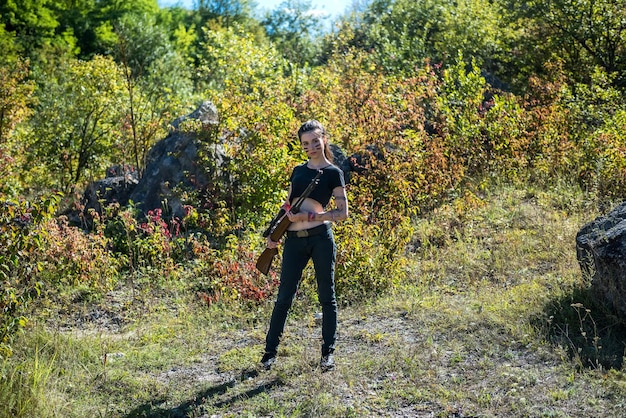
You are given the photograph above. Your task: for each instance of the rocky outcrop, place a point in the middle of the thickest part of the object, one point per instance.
(172, 165)
(206, 113)
(601, 253)
(116, 187)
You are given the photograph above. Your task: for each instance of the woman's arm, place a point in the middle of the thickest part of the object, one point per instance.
(339, 213)
(341, 207)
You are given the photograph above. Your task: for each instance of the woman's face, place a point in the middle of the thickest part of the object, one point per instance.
(313, 143)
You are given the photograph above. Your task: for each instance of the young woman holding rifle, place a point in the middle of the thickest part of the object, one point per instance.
(310, 236)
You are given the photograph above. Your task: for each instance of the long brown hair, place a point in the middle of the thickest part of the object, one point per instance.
(313, 125)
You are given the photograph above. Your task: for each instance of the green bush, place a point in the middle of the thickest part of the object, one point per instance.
(610, 143)
(22, 248)
(370, 257)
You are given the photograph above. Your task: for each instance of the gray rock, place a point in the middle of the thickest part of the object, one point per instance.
(601, 253)
(205, 113)
(116, 187)
(172, 165)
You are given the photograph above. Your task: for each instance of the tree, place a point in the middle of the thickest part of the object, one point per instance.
(91, 21)
(16, 94)
(8, 46)
(401, 34)
(246, 81)
(76, 124)
(155, 78)
(228, 13)
(293, 28)
(477, 30)
(232, 57)
(183, 34)
(582, 33)
(33, 21)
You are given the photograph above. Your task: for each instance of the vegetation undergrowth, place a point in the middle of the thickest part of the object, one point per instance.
(457, 124)
(489, 320)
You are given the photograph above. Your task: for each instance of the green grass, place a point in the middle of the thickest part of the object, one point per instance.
(478, 328)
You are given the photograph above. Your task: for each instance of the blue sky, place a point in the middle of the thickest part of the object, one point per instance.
(332, 7)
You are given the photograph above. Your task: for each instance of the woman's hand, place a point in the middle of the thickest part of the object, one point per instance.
(271, 244)
(298, 217)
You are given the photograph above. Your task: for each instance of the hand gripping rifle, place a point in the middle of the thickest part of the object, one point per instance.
(279, 225)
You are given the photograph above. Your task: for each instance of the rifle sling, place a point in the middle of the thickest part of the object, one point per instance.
(309, 189)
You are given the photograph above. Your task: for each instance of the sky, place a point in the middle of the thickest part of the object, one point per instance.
(334, 8)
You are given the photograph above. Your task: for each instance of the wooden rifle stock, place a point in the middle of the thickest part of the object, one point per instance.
(276, 232)
(264, 262)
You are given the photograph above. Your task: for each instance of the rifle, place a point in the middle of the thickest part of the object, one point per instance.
(279, 225)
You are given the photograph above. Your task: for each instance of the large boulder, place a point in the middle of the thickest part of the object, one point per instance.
(116, 187)
(206, 113)
(601, 253)
(172, 165)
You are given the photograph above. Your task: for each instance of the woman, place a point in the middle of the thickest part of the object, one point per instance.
(310, 236)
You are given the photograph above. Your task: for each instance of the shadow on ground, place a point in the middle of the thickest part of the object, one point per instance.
(593, 336)
(210, 396)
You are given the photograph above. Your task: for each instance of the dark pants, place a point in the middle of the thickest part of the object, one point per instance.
(322, 250)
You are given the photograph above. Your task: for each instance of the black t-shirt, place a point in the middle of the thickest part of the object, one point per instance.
(302, 175)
